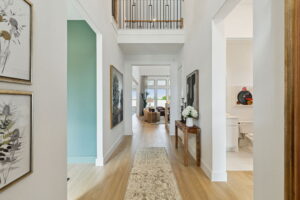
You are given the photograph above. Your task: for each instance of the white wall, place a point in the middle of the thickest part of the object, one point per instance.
(239, 75)
(269, 103)
(99, 12)
(196, 54)
(268, 84)
(239, 23)
(136, 73)
(49, 67)
(154, 70)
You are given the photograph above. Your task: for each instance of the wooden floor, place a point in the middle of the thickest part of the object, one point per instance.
(109, 182)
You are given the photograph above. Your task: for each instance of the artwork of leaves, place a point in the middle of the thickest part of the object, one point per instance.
(15, 36)
(15, 136)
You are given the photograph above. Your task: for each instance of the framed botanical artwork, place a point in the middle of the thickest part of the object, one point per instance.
(114, 8)
(116, 96)
(15, 41)
(192, 90)
(15, 136)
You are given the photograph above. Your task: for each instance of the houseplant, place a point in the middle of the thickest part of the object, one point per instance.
(144, 100)
(190, 113)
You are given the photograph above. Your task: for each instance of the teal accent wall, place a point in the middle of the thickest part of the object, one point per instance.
(81, 93)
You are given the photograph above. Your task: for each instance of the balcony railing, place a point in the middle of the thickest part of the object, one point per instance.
(150, 14)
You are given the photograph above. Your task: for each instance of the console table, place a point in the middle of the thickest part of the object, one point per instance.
(186, 131)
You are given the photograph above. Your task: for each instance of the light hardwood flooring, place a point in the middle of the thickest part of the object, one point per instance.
(88, 182)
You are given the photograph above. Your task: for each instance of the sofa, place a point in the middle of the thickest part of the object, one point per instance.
(151, 117)
(161, 110)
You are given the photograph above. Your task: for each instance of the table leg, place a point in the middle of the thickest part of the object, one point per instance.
(186, 149)
(198, 147)
(176, 137)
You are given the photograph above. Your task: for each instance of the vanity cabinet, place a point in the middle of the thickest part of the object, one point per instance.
(232, 139)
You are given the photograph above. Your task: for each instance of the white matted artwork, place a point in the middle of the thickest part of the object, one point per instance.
(15, 41)
(15, 136)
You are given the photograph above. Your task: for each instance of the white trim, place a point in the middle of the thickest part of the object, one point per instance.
(206, 169)
(151, 36)
(113, 148)
(219, 176)
(214, 176)
(99, 162)
(128, 134)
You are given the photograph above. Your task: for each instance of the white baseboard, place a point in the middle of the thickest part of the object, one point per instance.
(129, 133)
(99, 162)
(214, 176)
(112, 149)
(219, 176)
(206, 169)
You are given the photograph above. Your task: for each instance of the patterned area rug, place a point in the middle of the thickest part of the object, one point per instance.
(151, 177)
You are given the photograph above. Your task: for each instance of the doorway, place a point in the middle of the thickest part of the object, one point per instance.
(93, 43)
(232, 90)
(82, 128)
(151, 93)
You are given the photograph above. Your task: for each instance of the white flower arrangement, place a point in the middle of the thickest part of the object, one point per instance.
(190, 112)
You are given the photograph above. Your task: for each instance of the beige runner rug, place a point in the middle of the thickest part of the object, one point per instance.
(151, 177)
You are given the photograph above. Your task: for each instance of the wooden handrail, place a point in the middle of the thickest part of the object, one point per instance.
(150, 21)
(155, 21)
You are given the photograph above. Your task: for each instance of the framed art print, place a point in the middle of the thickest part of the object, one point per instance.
(116, 96)
(192, 89)
(15, 136)
(15, 41)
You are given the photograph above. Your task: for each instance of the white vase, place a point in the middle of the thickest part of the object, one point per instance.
(189, 122)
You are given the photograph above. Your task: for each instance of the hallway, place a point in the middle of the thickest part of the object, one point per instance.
(88, 182)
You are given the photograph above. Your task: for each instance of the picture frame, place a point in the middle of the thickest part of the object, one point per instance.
(15, 137)
(114, 8)
(116, 97)
(16, 38)
(192, 90)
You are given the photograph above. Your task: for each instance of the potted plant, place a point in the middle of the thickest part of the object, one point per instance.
(144, 100)
(190, 113)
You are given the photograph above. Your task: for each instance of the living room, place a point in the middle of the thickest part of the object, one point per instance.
(151, 94)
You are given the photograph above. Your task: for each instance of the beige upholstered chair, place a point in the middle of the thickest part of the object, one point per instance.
(151, 117)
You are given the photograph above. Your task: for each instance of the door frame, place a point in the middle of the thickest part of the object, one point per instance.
(292, 101)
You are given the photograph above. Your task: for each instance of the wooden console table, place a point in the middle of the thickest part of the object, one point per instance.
(186, 131)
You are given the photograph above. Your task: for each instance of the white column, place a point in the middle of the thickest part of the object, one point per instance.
(219, 172)
(174, 106)
(128, 99)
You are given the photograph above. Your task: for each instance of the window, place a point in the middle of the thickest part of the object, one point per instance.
(161, 82)
(158, 89)
(161, 97)
(134, 97)
(150, 97)
(150, 82)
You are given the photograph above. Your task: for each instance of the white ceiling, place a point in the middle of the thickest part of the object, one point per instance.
(148, 70)
(151, 49)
